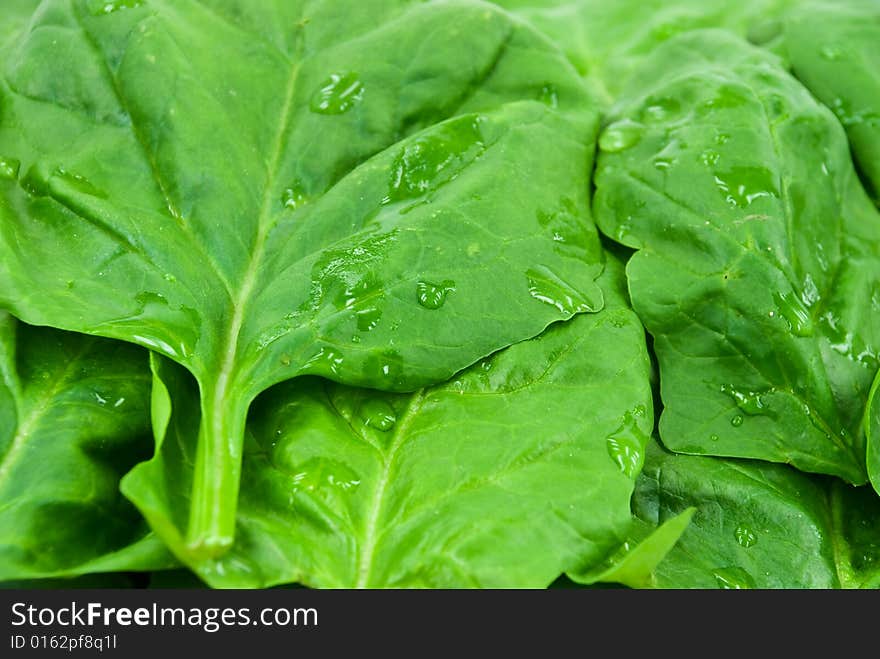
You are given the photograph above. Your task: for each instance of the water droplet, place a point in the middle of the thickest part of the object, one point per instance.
(565, 225)
(660, 109)
(831, 52)
(847, 343)
(849, 116)
(736, 421)
(810, 294)
(156, 344)
(368, 318)
(148, 298)
(323, 476)
(433, 296)
(338, 94)
(273, 334)
(325, 361)
(347, 276)
(740, 186)
(364, 297)
(733, 578)
(745, 536)
(626, 446)
(713, 437)
(548, 95)
(434, 158)
(764, 31)
(285, 360)
(547, 287)
(40, 180)
(721, 138)
(840, 340)
(726, 97)
(378, 414)
(617, 555)
(710, 158)
(169, 277)
(795, 313)
(9, 168)
(750, 402)
(621, 135)
(293, 196)
(384, 368)
(79, 183)
(104, 7)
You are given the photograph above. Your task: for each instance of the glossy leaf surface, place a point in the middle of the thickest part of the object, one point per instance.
(609, 41)
(872, 430)
(833, 51)
(759, 525)
(380, 196)
(758, 259)
(73, 419)
(512, 472)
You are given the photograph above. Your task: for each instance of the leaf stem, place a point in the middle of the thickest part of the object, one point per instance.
(213, 504)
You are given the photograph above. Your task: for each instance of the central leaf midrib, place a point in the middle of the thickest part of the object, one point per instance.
(367, 550)
(264, 226)
(224, 408)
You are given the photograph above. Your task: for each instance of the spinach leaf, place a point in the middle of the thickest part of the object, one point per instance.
(258, 191)
(833, 51)
(634, 562)
(73, 420)
(14, 17)
(609, 41)
(758, 255)
(872, 430)
(759, 525)
(514, 471)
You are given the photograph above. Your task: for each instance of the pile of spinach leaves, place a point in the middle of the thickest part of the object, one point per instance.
(440, 294)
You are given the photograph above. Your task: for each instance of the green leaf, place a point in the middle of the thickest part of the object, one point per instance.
(514, 471)
(758, 255)
(759, 525)
(635, 561)
(833, 51)
(872, 430)
(14, 18)
(263, 190)
(609, 41)
(73, 420)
